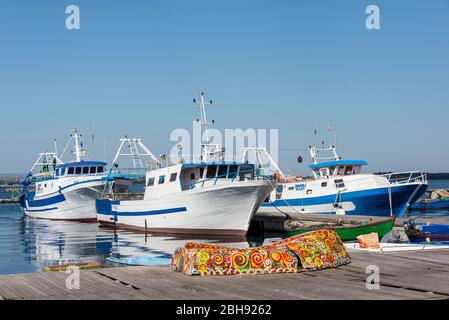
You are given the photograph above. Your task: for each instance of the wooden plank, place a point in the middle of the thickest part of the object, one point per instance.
(401, 278)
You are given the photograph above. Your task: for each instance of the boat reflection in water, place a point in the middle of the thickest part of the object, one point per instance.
(51, 243)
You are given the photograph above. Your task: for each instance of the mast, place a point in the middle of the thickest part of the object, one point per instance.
(203, 119)
(80, 152)
(208, 150)
(133, 145)
(314, 151)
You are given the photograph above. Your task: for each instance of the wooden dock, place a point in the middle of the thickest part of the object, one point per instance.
(406, 275)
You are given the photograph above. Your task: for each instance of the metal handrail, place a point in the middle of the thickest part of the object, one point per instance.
(406, 177)
(237, 174)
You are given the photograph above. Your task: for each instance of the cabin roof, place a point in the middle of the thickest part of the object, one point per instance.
(82, 163)
(338, 163)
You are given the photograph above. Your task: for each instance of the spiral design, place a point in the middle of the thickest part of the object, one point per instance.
(276, 257)
(202, 268)
(267, 263)
(256, 259)
(202, 257)
(239, 260)
(310, 247)
(217, 259)
(287, 258)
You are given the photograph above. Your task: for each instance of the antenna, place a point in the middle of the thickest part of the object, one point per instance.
(203, 119)
(80, 152)
(56, 147)
(92, 146)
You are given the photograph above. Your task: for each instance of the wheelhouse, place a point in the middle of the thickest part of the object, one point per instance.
(198, 173)
(337, 168)
(82, 168)
(181, 177)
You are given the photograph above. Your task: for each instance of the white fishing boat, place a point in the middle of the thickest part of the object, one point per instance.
(339, 187)
(210, 196)
(65, 191)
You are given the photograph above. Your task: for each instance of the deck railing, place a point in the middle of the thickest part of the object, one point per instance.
(406, 177)
(232, 176)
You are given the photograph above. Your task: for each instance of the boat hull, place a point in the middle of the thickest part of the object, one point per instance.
(217, 210)
(352, 232)
(368, 202)
(73, 204)
(431, 205)
(433, 232)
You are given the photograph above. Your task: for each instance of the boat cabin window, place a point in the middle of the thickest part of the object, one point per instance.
(332, 170)
(348, 170)
(173, 177)
(150, 182)
(62, 172)
(324, 172)
(100, 169)
(201, 173)
(339, 183)
(71, 170)
(78, 170)
(161, 179)
(341, 170)
(324, 184)
(85, 170)
(93, 170)
(222, 171)
(246, 173)
(192, 176)
(57, 173)
(233, 171)
(309, 191)
(357, 170)
(211, 171)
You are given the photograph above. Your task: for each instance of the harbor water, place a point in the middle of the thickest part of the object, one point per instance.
(28, 245)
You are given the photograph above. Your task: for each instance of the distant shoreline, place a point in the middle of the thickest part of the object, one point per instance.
(15, 177)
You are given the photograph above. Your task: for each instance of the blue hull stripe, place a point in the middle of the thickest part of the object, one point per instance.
(43, 210)
(149, 213)
(46, 202)
(105, 207)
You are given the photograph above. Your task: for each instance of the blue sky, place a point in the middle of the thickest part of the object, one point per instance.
(133, 68)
